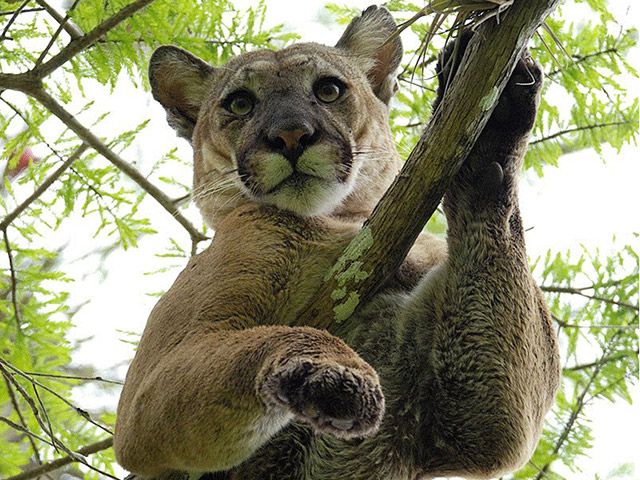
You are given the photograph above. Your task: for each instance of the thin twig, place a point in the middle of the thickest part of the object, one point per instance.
(74, 456)
(56, 34)
(3, 35)
(84, 414)
(14, 281)
(9, 218)
(79, 44)
(27, 398)
(24, 10)
(26, 431)
(74, 377)
(54, 442)
(604, 327)
(545, 474)
(579, 60)
(43, 409)
(611, 358)
(577, 409)
(91, 139)
(578, 129)
(23, 421)
(609, 386)
(61, 462)
(573, 291)
(73, 31)
(35, 409)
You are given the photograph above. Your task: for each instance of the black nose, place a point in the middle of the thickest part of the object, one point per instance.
(291, 138)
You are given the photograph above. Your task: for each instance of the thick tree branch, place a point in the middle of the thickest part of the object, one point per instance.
(379, 249)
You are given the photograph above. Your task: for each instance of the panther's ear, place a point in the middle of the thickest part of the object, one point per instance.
(366, 41)
(180, 82)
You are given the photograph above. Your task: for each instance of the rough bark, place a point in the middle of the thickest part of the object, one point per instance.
(385, 239)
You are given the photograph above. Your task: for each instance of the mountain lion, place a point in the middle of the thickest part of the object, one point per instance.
(449, 370)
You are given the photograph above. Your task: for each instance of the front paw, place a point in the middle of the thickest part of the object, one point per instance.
(515, 112)
(344, 401)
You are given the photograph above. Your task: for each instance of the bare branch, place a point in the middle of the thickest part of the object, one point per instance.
(49, 427)
(24, 430)
(73, 456)
(545, 474)
(54, 442)
(61, 462)
(611, 358)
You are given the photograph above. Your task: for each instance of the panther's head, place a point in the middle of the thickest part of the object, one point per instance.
(304, 128)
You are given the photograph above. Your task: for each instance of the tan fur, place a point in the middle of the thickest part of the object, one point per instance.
(456, 363)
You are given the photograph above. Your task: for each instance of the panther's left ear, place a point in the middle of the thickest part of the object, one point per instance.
(180, 81)
(366, 41)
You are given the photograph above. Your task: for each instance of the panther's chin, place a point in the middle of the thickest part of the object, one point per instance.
(307, 195)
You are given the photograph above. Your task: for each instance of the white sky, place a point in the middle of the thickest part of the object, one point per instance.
(577, 203)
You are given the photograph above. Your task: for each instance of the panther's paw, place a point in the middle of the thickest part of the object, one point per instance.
(517, 106)
(344, 401)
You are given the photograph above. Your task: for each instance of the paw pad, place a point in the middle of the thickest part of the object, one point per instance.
(346, 402)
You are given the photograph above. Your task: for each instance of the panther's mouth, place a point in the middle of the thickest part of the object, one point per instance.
(308, 185)
(296, 181)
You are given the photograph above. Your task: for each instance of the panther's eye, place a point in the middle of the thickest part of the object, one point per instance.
(329, 89)
(240, 103)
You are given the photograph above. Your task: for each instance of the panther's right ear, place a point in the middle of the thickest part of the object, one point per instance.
(367, 41)
(180, 82)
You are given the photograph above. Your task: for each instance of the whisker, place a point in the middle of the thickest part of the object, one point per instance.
(213, 188)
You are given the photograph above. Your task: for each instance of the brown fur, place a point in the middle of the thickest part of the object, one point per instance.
(457, 362)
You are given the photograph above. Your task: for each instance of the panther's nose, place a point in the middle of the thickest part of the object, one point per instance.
(290, 140)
